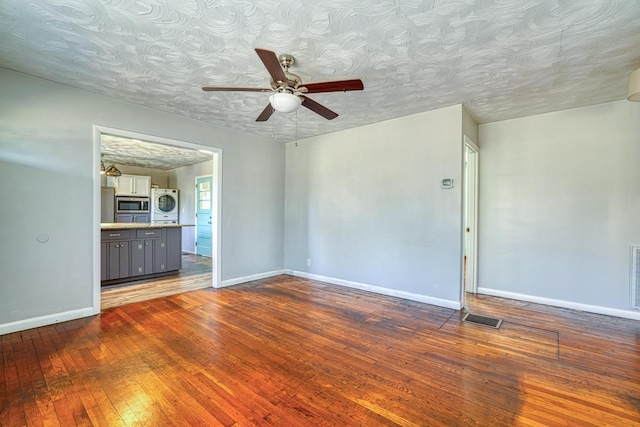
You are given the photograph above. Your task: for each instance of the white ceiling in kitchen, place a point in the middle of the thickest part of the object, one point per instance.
(135, 152)
(500, 58)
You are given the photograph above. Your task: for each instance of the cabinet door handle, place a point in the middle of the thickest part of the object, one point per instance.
(114, 234)
(149, 233)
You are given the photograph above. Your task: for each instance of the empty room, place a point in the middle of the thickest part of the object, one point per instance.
(349, 213)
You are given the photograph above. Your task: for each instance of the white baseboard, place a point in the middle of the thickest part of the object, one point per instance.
(456, 305)
(238, 280)
(36, 322)
(616, 312)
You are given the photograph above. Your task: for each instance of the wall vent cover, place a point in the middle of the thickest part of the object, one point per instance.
(483, 320)
(635, 277)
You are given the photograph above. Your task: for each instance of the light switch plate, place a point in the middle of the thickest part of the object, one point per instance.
(447, 183)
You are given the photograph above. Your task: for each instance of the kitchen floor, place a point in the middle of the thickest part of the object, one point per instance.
(195, 274)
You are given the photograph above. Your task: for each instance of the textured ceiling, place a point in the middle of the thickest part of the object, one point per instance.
(500, 58)
(134, 152)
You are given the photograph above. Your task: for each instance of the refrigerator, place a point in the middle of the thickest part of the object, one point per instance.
(107, 204)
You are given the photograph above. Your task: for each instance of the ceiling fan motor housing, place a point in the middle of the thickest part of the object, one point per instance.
(290, 86)
(293, 80)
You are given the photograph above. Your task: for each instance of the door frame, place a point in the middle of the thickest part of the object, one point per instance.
(470, 214)
(195, 211)
(216, 153)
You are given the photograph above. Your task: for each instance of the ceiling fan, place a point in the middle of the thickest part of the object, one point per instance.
(288, 89)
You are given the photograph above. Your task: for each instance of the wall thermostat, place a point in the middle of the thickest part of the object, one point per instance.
(447, 183)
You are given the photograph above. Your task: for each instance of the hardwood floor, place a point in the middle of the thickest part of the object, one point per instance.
(194, 274)
(293, 352)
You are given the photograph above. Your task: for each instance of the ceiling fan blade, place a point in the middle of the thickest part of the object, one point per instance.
(318, 108)
(272, 64)
(336, 86)
(266, 113)
(235, 89)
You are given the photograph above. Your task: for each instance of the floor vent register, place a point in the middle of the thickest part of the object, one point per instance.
(491, 322)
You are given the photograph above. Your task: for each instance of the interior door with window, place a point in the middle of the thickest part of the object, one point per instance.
(203, 215)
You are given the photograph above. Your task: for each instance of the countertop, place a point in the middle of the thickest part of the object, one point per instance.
(134, 225)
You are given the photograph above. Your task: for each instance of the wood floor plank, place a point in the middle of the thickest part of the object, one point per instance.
(296, 352)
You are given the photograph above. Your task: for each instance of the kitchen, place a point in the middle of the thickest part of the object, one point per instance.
(150, 241)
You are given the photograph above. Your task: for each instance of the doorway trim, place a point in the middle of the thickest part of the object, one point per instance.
(216, 172)
(470, 214)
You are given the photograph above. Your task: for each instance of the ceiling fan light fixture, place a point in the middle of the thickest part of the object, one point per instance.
(112, 171)
(288, 88)
(634, 86)
(285, 102)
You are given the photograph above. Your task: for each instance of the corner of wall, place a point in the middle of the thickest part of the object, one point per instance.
(470, 126)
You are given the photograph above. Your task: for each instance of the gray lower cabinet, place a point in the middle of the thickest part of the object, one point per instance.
(104, 253)
(118, 260)
(141, 257)
(174, 248)
(160, 255)
(139, 252)
(115, 255)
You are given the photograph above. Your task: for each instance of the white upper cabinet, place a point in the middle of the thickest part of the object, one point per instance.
(133, 185)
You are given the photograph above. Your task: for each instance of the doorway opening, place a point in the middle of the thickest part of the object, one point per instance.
(212, 167)
(470, 206)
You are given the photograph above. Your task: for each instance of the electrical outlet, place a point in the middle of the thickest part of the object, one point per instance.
(308, 262)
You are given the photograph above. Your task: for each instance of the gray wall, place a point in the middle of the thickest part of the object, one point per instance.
(46, 168)
(559, 205)
(365, 205)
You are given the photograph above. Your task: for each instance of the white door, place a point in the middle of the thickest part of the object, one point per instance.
(204, 209)
(470, 260)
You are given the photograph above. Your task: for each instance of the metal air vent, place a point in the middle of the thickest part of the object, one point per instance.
(491, 322)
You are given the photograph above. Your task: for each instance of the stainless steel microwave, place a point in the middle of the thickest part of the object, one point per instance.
(126, 204)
